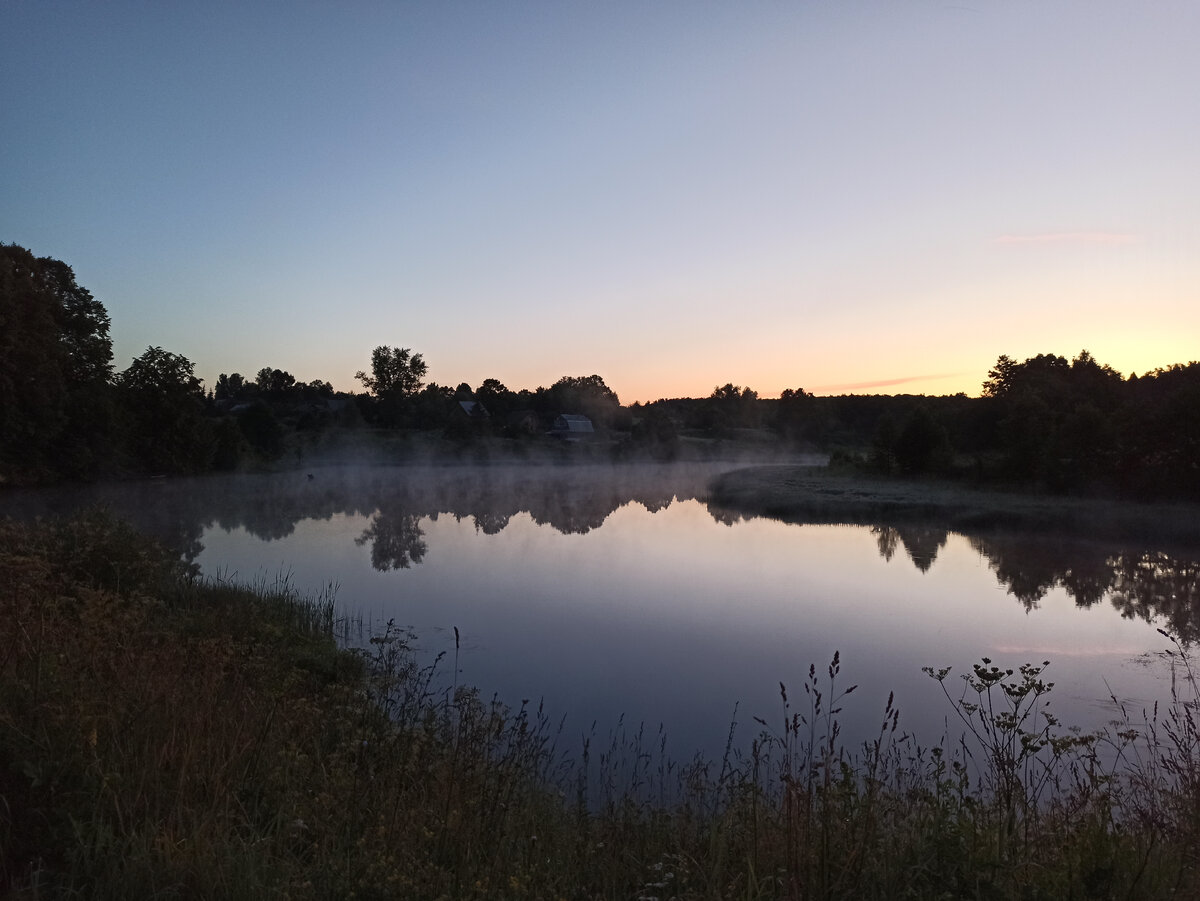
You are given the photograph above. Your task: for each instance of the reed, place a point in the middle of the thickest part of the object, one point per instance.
(165, 736)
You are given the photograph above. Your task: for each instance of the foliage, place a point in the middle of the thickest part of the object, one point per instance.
(656, 432)
(922, 445)
(230, 387)
(262, 431)
(395, 371)
(588, 395)
(1047, 424)
(275, 382)
(1057, 419)
(163, 405)
(731, 407)
(55, 361)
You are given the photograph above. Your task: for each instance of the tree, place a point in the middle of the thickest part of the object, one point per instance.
(1000, 377)
(394, 372)
(1055, 419)
(262, 431)
(55, 365)
(587, 394)
(731, 407)
(496, 399)
(793, 414)
(275, 383)
(163, 403)
(922, 445)
(229, 387)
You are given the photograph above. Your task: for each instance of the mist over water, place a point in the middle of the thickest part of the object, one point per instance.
(621, 591)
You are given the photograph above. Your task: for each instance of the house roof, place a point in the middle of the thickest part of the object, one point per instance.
(573, 422)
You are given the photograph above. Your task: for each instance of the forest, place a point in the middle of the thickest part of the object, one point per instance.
(1049, 423)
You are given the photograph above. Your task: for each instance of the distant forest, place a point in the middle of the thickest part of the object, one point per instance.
(1049, 423)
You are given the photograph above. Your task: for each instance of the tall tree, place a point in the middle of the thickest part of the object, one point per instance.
(163, 403)
(394, 371)
(55, 363)
(229, 387)
(275, 383)
(587, 394)
(1056, 419)
(394, 383)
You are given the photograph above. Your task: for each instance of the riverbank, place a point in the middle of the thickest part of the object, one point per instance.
(818, 494)
(162, 737)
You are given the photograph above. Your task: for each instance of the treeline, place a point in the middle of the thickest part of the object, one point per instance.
(67, 414)
(1048, 423)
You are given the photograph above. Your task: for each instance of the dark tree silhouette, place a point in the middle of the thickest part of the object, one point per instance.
(588, 395)
(163, 405)
(922, 445)
(394, 371)
(275, 383)
(230, 387)
(1057, 420)
(396, 540)
(55, 364)
(394, 383)
(262, 431)
(731, 407)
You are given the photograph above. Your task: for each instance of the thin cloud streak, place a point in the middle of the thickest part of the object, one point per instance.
(882, 383)
(1070, 238)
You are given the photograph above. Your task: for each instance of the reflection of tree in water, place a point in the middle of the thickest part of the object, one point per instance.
(396, 540)
(1146, 585)
(726, 516)
(1141, 582)
(571, 520)
(655, 504)
(1088, 578)
(491, 523)
(1030, 565)
(269, 522)
(1153, 584)
(888, 539)
(921, 543)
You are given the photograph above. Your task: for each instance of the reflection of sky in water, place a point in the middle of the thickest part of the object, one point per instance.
(675, 617)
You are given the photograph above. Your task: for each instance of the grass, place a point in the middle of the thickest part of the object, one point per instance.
(794, 493)
(162, 736)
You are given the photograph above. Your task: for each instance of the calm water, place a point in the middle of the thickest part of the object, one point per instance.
(608, 591)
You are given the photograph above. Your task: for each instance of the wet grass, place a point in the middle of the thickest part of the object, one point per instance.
(820, 494)
(166, 737)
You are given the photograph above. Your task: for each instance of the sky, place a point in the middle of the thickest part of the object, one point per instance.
(842, 197)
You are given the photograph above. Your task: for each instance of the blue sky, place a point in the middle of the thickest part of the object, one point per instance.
(871, 197)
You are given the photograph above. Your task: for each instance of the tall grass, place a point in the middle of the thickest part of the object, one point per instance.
(163, 736)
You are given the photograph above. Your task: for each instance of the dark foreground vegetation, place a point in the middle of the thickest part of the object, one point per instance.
(1051, 424)
(162, 736)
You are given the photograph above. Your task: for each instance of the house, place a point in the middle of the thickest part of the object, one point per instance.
(572, 427)
(474, 409)
(523, 422)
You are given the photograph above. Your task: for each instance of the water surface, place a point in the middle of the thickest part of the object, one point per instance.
(619, 591)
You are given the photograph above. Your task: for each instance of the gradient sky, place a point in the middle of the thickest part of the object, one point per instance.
(838, 196)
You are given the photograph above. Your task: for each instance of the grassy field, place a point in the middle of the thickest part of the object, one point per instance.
(166, 737)
(820, 494)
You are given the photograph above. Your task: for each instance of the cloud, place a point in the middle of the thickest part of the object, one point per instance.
(881, 383)
(1069, 238)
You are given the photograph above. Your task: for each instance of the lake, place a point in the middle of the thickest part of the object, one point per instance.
(605, 592)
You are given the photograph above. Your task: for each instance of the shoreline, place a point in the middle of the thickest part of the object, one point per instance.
(818, 495)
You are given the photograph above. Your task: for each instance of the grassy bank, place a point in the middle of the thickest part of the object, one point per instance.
(827, 494)
(162, 737)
